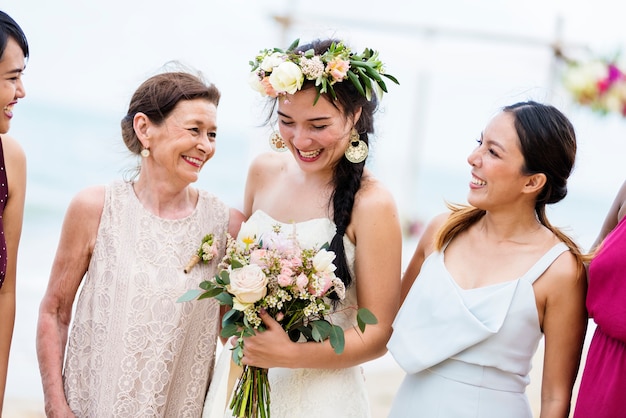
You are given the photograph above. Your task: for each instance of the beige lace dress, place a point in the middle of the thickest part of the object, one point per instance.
(134, 351)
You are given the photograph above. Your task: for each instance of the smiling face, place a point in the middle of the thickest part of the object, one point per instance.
(497, 163)
(11, 87)
(181, 145)
(317, 135)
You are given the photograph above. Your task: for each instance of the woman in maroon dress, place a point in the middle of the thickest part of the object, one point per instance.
(603, 384)
(13, 55)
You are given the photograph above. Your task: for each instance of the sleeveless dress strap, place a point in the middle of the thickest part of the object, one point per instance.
(544, 262)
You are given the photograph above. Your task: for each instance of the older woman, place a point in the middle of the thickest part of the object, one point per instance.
(133, 350)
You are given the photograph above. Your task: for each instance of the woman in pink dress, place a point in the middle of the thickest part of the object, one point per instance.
(603, 384)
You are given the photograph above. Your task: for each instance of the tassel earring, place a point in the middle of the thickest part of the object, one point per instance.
(145, 153)
(357, 149)
(277, 143)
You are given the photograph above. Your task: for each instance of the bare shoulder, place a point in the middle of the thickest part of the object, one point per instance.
(373, 195)
(88, 203)
(565, 277)
(565, 270)
(268, 164)
(426, 243)
(14, 156)
(437, 222)
(12, 147)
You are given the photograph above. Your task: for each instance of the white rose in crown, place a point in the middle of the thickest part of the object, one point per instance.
(256, 84)
(287, 77)
(271, 61)
(248, 284)
(323, 261)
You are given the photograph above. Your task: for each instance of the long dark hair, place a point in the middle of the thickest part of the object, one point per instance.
(347, 176)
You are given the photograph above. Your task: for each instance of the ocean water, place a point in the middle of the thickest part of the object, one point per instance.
(69, 149)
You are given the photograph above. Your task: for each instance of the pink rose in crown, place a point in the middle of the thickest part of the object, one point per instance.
(338, 69)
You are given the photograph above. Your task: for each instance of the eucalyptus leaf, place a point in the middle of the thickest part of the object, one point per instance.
(237, 354)
(224, 277)
(320, 329)
(337, 339)
(211, 293)
(365, 316)
(225, 298)
(189, 295)
(231, 316)
(206, 285)
(307, 332)
(229, 331)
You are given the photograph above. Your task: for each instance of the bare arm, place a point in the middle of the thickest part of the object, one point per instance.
(12, 217)
(615, 214)
(234, 222)
(564, 325)
(376, 230)
(424, 247)
(74, 252)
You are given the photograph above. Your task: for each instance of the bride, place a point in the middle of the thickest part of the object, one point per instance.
(323, 187)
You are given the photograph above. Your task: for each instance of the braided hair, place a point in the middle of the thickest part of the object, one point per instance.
(347, 176)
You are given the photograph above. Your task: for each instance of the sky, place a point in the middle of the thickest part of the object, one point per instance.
(458, 61)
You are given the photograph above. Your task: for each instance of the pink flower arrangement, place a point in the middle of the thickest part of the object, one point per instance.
(598, 84)
(292, 284)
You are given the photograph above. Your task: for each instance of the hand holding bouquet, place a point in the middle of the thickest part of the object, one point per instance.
(292, 284)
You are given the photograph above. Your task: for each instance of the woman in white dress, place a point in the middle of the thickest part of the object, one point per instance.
(330, 199)
(489, 280)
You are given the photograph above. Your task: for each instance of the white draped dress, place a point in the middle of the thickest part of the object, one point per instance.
(467, 353)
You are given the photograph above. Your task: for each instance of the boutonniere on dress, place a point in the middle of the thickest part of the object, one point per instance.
(206, 252)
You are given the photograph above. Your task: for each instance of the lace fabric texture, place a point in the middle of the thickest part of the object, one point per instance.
(133, 350)
(306, 393)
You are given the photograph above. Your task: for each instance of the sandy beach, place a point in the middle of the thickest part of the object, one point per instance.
(383, 379)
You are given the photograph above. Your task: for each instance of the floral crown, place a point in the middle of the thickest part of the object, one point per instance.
(276, 72)
(599, 84)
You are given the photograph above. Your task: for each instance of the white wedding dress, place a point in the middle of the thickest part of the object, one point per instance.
(304, 393)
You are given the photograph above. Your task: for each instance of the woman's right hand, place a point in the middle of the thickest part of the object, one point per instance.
(59, 411)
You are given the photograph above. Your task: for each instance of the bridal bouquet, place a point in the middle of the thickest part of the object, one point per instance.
(292, 284)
